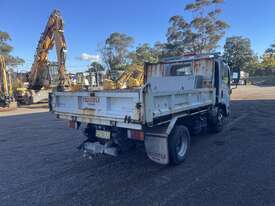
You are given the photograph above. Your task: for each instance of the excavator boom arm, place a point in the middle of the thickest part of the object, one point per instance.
(3, 74)
(52, 35)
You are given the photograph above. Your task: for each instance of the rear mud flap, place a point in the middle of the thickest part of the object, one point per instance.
(157, 149)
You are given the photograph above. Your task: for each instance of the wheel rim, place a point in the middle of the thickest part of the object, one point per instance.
(182, 146)
(220, 119)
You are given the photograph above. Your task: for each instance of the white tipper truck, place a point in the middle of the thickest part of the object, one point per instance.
(181, 97)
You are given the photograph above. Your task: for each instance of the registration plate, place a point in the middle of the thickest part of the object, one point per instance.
(103, 134)
(91, 99)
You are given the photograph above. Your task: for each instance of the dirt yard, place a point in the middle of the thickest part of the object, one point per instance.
(40, 164)
(26, 109)
(253, 93)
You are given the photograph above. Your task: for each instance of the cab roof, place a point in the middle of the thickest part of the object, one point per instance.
(190, 57)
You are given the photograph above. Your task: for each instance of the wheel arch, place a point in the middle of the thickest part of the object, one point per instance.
(225, 109)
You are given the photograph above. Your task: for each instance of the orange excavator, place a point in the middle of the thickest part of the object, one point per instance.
(131, 78)
(40, 79)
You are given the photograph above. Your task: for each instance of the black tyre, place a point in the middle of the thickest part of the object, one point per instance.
(89, 132)
(121, 140)
(179, 144)
(27, 100)
(218, 125)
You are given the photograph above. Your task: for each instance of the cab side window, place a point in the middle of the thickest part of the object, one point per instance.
(184, 69)
(225, 74)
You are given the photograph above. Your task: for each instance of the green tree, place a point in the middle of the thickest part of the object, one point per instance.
(144, 53)
(95, 67)
(253, 65)
(160, 49)
(116, 50)
(269, 57)
(6, 49)
(202, 33)
(238, 53)
(163, 50)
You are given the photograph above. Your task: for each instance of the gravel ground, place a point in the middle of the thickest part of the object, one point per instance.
(40, 165)
(25, 109)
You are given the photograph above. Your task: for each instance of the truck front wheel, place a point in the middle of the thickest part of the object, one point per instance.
(218, 125)
(178, 144)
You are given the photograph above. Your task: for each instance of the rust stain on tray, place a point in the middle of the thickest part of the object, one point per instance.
(88, 111)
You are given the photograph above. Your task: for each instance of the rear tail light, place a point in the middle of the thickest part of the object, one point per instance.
(136, 135)
(72, 124)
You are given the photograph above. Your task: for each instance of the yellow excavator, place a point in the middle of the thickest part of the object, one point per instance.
(131, 78)
(39, 83)
(6, 90)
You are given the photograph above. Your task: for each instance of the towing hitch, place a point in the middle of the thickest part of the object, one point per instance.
(93, 148)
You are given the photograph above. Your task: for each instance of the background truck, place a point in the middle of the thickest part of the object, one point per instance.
(180, 97)
(239, 77)
(244, 76)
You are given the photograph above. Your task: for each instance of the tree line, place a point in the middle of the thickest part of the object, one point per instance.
(239, 55)
(6, 49)
(201, 34)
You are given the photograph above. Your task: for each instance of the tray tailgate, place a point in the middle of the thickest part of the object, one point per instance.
(113, 105)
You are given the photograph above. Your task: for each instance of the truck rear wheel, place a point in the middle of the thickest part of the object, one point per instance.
(178, 144)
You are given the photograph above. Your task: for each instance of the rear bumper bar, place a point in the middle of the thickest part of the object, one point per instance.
(99, 120)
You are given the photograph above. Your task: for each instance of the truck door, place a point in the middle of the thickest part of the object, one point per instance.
(225, 85)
